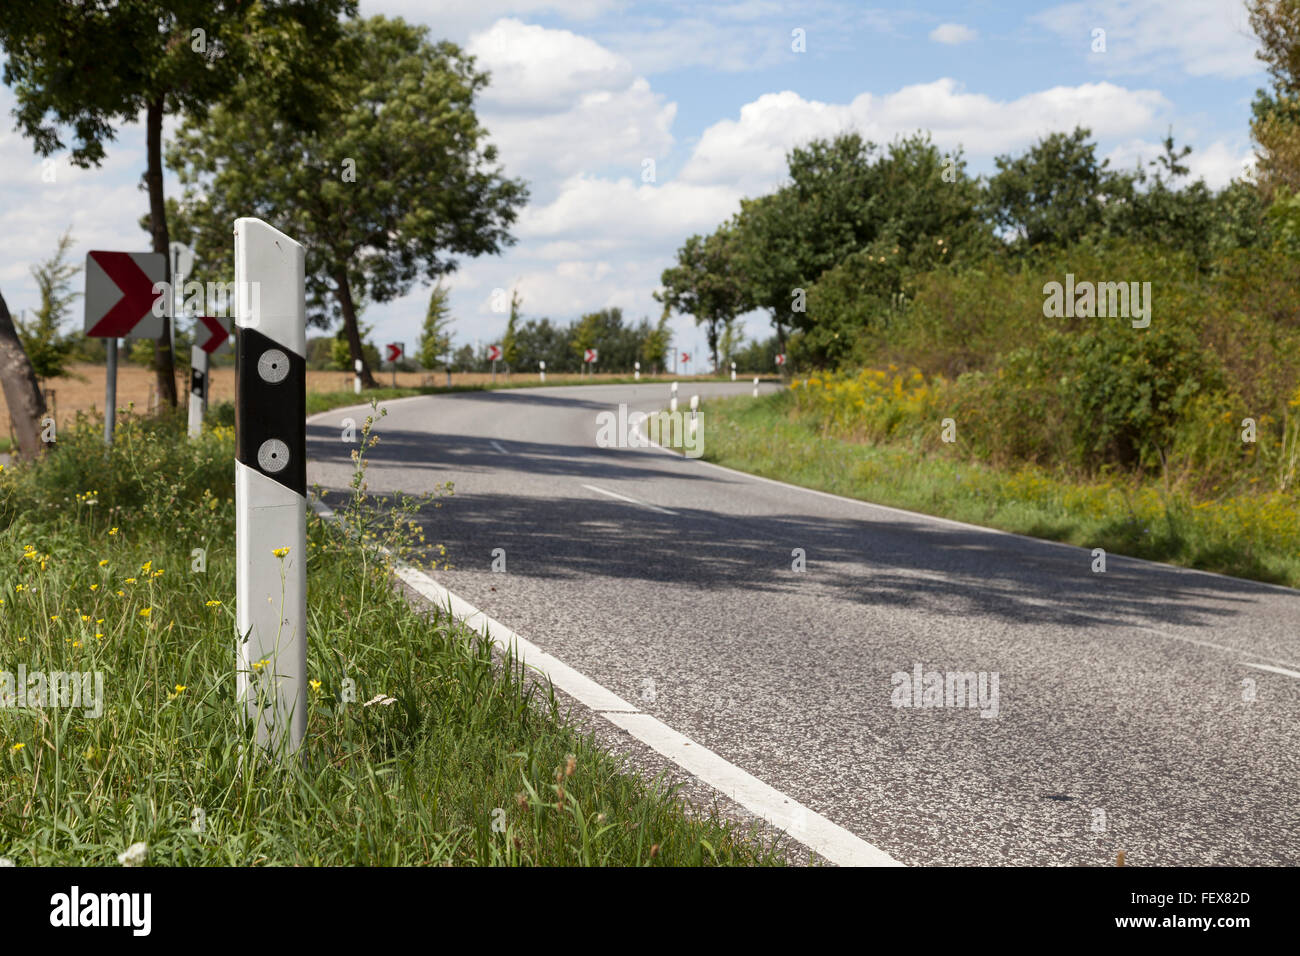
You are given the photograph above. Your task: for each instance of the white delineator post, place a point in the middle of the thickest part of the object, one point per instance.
(672, 402)
(756, 386)
(271, 483)
(695, 408)
(636, 371)
(356, 377)
(733, 371)
(543, 370)
(198, 389)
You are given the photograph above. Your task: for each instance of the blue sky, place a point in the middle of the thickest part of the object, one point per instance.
(585, 92)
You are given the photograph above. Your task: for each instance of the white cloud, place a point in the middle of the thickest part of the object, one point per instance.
(1198, 37)
(560, 103)
(1218, 163)
(627, 213)
(537, 68)
(602, 128)
(952, 34)
(749, 153)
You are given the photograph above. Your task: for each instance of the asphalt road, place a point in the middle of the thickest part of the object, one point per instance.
(1134, 709)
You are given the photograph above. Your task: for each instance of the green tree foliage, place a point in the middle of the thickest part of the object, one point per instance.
(402, 182)
(341, 350)
(1056, 193)
(707, 283)
(90, 67)
(654, 344)
(510, 341)
(48, 347)
(435, 338)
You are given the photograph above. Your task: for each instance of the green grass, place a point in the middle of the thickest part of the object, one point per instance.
(1251, 536)
(474, 763)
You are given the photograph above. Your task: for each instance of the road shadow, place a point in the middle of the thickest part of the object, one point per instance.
(876, 562)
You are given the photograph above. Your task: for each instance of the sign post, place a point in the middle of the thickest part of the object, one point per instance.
(198, 390)
(395, 350)
(110, 389)
(494, 353)
(121, 301)
(271, 483)
(213, 337)
(589, 359)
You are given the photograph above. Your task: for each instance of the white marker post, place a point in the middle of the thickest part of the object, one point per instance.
(356, 377)
(756, 386)
(695, 409)
(636, 371)
(672, 402)
(271, 483)
(198, 389)
(542, 365)
(733, 371)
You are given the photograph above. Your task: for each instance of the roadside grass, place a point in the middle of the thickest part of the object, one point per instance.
(472, 762)
(1253, 536)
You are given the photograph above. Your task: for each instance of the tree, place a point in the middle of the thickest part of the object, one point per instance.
(435, 339)
(654, 346)
(1056, 193)
(402, 181)
(22, 393)
(1275, 125)
(706, 283)
(90, 67)
(730, 343)
(510, 342)
(46, 345)
(341, 349)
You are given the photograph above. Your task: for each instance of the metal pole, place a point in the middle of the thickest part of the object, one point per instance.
(110, 390)
(198, 389)
(271, 483)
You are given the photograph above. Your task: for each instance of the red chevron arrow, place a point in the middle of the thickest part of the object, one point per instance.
(217, 334)
(137, 294)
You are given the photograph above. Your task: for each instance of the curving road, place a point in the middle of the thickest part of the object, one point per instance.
(1148, 709)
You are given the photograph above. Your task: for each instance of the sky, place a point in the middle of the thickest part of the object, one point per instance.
(636, 125)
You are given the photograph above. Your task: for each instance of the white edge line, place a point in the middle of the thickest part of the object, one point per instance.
(829, 840)
(632, 501)
(1275, 670)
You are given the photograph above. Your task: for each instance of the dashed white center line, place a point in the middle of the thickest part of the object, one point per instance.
(498, 446)
(631, 501)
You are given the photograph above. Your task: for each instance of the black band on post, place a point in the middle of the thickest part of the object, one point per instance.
(271, 409)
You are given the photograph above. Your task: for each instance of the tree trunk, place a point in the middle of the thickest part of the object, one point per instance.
(163, 361)
(22, 394)
(343, 291)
